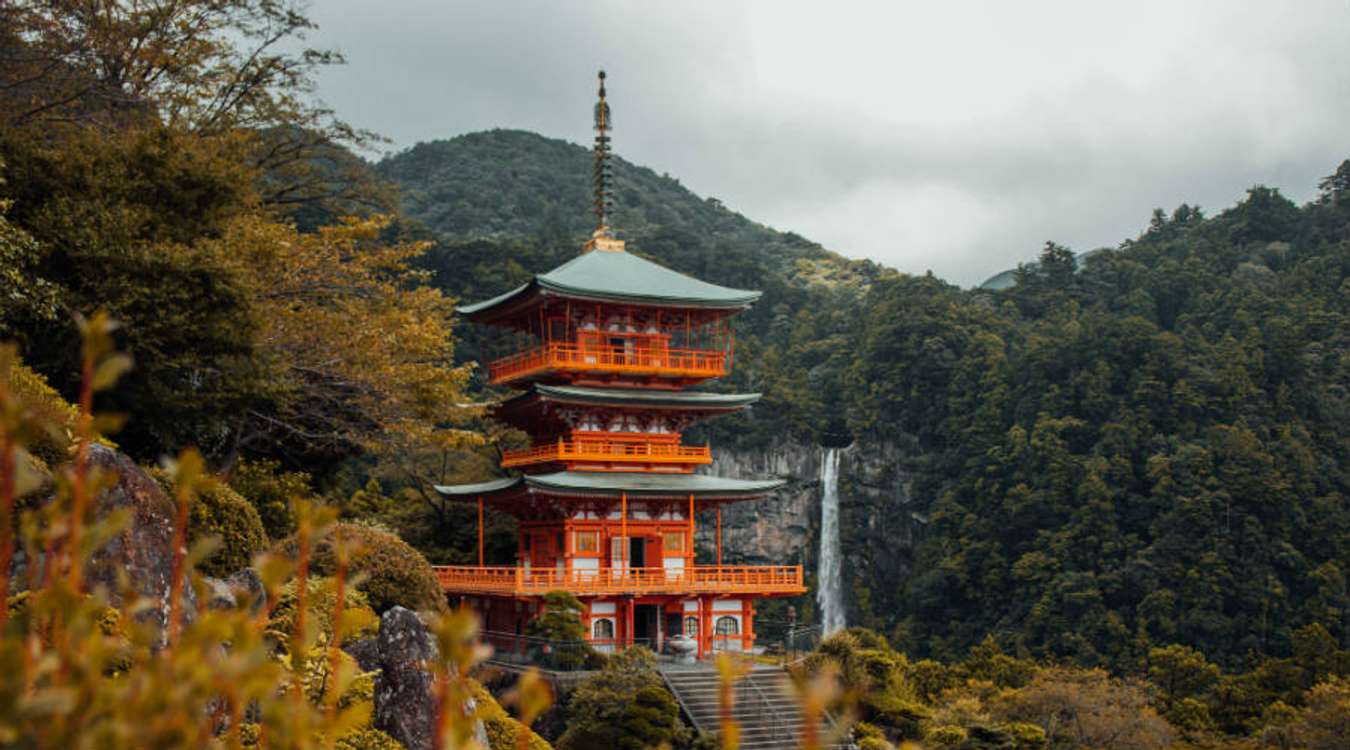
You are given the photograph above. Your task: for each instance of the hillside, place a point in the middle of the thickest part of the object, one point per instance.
(1088, 446)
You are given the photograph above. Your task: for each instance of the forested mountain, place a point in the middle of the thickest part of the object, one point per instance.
(1151, 448)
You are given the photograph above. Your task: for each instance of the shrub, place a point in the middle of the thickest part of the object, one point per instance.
(503, 731)
(220, 511)
(504, 734)
(59, 417)
(320, 598)
(368, 738)
(597, 712)
(271, 491)
(394, 573)
(561, 621)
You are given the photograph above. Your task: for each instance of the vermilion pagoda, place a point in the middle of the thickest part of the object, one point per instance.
(607, 496)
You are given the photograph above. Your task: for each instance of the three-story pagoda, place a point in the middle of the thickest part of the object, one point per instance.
(606, 497)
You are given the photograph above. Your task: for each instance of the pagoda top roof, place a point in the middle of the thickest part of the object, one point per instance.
(693, 400)
(635, 484)
(615, 276)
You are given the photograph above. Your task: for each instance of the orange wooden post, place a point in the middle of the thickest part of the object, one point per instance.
(480, 531)
(623, 531)
(689, 548)
(719, 534)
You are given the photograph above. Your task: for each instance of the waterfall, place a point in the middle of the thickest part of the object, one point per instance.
(829, 583)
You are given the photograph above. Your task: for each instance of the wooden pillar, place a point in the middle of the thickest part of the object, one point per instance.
(719, 534)
(480, 531)
(623, 531)
(689, 545)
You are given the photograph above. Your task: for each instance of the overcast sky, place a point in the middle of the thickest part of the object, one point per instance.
(954, 137)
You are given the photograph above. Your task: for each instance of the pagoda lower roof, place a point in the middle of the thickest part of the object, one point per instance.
(655, 399)
(633, 484)
(609, 276)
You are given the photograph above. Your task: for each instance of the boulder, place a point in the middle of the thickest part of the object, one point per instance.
(247, 586)
(143, 551)
(405, 704)
(221, 596)
(366, 652)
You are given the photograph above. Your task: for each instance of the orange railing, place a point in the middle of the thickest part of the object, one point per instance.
(608, 451)
(557, 355)
(701, 579)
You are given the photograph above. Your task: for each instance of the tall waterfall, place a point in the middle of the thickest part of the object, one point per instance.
(829, 591)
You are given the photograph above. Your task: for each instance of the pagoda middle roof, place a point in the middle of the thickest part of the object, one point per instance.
(613, 483)
(692, 400)
(616, 276)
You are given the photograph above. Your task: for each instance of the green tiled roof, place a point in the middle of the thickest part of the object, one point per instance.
(622, 277)
(641, 397)
(613, 483)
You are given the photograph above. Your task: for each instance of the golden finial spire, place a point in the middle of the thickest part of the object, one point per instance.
(603, 237)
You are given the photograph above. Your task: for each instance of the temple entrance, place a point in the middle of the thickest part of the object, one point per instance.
(637, 552)
(645, 624)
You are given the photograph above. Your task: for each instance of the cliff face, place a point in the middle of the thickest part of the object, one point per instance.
(878, 519)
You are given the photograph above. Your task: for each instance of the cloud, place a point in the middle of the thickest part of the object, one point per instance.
(955, 137)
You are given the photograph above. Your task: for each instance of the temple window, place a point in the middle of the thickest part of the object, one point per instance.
(727, 625)
(673, 541)
(588, 541)
(691, 626)
(603, 630)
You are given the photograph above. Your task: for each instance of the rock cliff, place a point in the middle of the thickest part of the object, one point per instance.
(879, 518)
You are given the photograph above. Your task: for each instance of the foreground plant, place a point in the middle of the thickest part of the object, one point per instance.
(88, 665)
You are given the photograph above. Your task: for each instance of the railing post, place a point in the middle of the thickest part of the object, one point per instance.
(520, 578)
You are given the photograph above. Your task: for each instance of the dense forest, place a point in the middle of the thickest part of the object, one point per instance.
(1137, 461)
(1151, 448)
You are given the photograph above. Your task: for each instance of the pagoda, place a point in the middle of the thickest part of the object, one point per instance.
(602, 351)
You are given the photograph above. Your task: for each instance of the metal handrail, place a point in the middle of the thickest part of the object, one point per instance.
(768, 707)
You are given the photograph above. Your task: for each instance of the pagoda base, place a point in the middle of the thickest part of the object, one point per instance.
(669, 624)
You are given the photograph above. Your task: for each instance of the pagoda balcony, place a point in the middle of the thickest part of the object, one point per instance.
(600, 455)
(558, 357)
(700, 579)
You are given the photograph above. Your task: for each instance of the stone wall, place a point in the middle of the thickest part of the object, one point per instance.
(878, 519)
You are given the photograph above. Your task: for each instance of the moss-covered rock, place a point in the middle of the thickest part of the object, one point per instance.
(368, 738)
(221, 512)
(394, 573)
(503, 732)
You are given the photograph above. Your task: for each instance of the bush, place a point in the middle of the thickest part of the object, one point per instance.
(220, 511)
(597, 715)
(504, 734)
(561, 621)
(320, 598)
(368, 738)
(503, 731)
(271, 491)
(394, 573)
(58, 415)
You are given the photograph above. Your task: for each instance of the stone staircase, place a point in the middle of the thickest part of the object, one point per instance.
(766, 706)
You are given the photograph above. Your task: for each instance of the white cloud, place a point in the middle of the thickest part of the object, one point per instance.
(956, 137)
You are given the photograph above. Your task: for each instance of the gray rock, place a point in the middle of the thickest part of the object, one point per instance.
(221, 595)
(247, 587)
(405, 707)
(143, 551)
(366, 652)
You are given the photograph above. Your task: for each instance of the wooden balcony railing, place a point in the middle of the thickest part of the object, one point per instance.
(568, 357)
(631, 451)
(701, 579)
